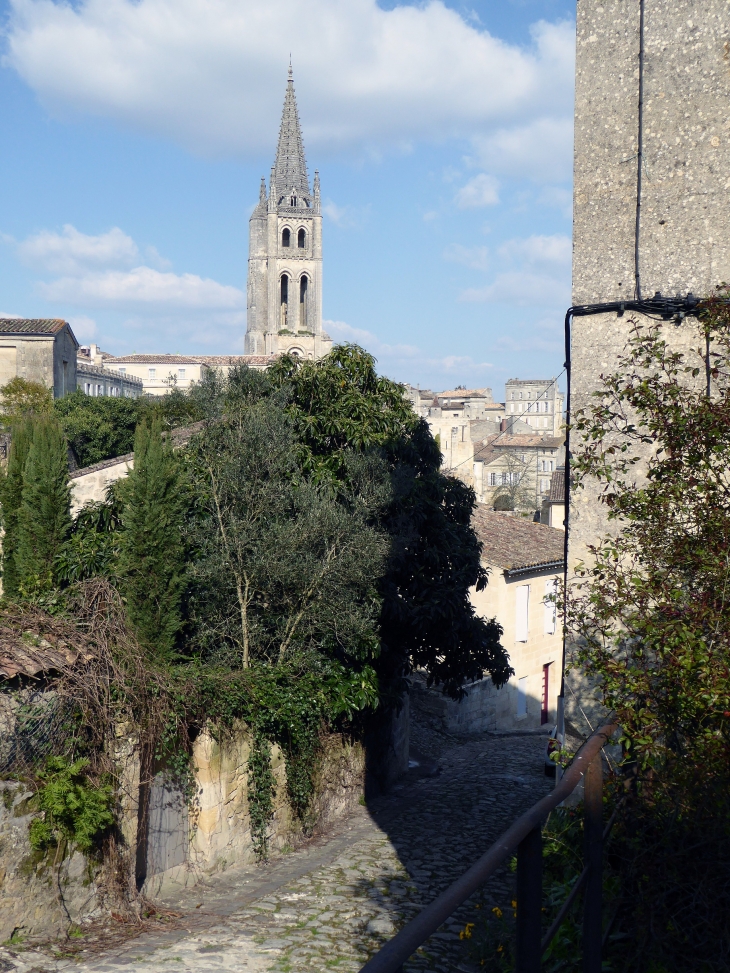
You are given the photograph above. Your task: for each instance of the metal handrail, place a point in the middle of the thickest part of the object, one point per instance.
(390, 958)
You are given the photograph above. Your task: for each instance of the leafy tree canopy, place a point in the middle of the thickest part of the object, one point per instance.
(99, 427)
(21, 399)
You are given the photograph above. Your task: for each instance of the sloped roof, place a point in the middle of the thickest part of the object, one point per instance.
(465, 393)
(236, 359)
(516, 544)
(154, 360)
(32, 325)
(557, 486)
(33, 643)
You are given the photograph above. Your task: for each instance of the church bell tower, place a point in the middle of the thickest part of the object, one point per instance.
(284, 294)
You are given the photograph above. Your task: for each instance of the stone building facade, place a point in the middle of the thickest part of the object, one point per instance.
(41, 350)
(284, 293)
(536, 402)
(651, 178)
(525, 562)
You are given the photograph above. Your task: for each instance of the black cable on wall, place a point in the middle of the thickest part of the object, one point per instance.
(639, 156)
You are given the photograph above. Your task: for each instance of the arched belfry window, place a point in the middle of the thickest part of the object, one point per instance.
(284, 309)
(303, 302)
(285, 237)
(302, 238)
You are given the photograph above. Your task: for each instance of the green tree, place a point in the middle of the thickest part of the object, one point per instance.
(44, 517)
(152, 556)
(282, 564)
(651, 614)
(21, 399)
(11, 497)
(341, 406)
(100, 427)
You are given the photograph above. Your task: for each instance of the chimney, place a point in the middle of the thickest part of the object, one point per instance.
(503, 425)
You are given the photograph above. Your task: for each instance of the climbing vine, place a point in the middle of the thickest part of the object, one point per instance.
(261, 793)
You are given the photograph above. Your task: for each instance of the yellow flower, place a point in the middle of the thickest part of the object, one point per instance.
(514, 903)
(500, 949)
(497, 911)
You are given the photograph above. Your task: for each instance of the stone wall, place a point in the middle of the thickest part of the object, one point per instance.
(90, 483)
(36, 898)
(684, 231)
(180, 843)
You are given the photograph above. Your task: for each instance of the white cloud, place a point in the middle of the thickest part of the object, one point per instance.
(555, 249)
(143, 286)
(517, 287)
(475, 257)
(13, 317)
(344, 215)
(481, 190)
(71, 252)
(405, 362)
(210, 73)
(84, 328)
(541, 150)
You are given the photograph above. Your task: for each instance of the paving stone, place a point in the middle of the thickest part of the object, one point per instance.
(333, 903)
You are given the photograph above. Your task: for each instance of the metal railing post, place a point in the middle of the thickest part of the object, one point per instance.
(529, 902)
(593, 833)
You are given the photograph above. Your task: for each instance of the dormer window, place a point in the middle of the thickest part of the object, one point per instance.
(285, 238)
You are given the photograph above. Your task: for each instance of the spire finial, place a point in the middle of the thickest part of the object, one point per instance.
(291, 72)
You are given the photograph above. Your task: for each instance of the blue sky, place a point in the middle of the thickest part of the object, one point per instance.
(135, 133)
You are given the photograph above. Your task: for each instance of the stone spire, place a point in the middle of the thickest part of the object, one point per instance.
(291, 166)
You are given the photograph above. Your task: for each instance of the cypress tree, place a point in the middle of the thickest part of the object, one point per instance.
(44, 517)
(152, 554)
(11, 496)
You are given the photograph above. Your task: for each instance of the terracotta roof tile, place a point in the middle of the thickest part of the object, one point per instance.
(31, 325)
(557, 487)
(513, 543)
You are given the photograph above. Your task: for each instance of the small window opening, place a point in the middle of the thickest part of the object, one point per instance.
(285, 238)
(301, 239)
(294, 200)
(284, 301)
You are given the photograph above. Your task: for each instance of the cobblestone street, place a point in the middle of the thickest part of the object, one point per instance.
(330, 904)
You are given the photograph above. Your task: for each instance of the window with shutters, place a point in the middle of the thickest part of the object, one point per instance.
(522, 607)
(551, 609)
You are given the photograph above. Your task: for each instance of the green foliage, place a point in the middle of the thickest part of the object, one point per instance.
(653, 620)
(152, 557)
(504, 502)
(75, 811)
(281, 563)
(21, 399)
(339, 405)
(44, 518)
(100, 427)
(651, 611)
(93, 548)
(11, 497)
(261, 793)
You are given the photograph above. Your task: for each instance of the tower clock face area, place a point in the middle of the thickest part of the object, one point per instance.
(284, 312)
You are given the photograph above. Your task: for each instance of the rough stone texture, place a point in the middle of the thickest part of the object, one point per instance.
(684, 236)
(294, 325)
(685, 221)
(35, 898)
(335, 901)
(180, 846)
(90, 483)
(215, 834)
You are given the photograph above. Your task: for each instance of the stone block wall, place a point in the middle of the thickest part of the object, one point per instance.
(36, 898)
(684, 226)
(180, 844)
